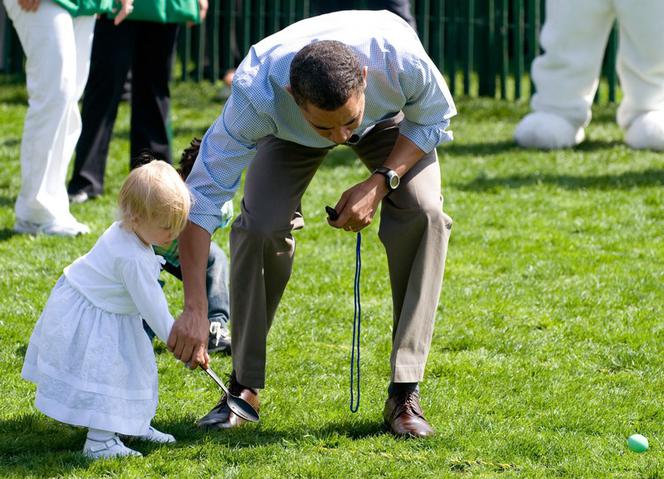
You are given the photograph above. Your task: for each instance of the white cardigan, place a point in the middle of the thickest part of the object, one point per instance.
(119, 275)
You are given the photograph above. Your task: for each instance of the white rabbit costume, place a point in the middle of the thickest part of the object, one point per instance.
(89, 355)
(566, 76)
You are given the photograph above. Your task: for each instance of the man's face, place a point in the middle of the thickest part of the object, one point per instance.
(337, 125)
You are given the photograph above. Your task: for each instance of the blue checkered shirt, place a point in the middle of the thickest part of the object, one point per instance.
(400, 77)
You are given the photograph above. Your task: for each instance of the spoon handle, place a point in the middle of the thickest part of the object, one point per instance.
(216, 379)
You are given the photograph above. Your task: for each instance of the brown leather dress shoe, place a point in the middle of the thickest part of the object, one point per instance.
(404, 417)
(221, 417)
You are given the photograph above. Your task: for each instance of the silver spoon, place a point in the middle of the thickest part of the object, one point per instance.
(236, 404)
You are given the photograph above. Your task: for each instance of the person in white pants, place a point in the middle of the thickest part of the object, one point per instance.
(57, 49)
(566, 76)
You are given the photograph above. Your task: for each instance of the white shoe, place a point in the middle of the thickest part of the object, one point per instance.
(156, 436)
(78, 198)
(69, 228)
(219, 339)
(646, 131)
(110, 448)
(547, 131)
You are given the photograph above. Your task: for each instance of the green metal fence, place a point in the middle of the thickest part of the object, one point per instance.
(494, 40)
(483, 47)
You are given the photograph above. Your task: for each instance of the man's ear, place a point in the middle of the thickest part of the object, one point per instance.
(365, 69)
(289, 90)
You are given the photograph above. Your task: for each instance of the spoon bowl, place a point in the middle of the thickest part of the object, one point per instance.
(235, 403)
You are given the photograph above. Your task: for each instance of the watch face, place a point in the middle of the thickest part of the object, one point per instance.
(394, 180)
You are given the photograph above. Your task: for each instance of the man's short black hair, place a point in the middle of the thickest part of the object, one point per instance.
(326, 74)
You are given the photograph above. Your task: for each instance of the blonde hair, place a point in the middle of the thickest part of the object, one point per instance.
(155, 193)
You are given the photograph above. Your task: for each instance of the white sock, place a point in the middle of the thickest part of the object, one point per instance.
(100, 435)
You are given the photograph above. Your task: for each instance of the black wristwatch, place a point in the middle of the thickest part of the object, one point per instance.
(392, 180)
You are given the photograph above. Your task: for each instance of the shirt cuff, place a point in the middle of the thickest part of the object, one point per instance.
(204, 213)
(426, 137)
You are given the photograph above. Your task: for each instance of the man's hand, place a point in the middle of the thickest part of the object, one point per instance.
(188, 339)
(357, 205)
(189, 335)
(29, 5)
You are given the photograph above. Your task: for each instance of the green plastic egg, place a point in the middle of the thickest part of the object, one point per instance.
(637, 443)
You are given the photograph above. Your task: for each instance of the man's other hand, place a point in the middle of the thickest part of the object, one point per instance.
(358, 204)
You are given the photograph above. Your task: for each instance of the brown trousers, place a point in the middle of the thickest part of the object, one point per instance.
(413, 229)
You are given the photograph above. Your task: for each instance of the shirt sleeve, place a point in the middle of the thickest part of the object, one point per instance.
(226, 150)
(429, 105)
(141, 283)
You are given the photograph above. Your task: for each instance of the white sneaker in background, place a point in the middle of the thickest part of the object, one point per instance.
(109, 448)
(646, 131)
(219, 339)
(78, 198)
(69, 228)
(547, 131)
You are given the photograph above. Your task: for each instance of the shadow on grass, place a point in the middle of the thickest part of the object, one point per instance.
(11, 142)
(28, 446)
(21, 350)
(599, 145)
(7, 233)
(492, 148)
(252, 435)
(33, 445)
(488, 148)
(16, 97)
(7, 201)
(624, 181)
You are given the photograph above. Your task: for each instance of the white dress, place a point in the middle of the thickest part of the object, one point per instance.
(89, 355)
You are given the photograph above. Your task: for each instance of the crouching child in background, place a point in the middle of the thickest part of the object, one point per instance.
(216, 276)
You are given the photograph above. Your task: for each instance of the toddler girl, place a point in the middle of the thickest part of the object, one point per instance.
(89, 356)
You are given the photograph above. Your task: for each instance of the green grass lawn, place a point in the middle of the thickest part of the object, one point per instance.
(549, 342)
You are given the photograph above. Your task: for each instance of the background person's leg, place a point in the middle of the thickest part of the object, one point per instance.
(641, 69)
(112, 52)
(262, 248)
(150, 94)
(53, 45)
(216, 281)
(565, 75)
